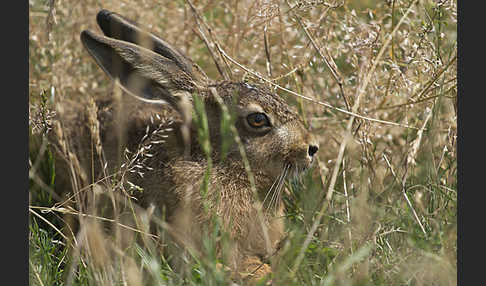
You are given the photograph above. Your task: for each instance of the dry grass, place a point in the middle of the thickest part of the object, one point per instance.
(374, 80)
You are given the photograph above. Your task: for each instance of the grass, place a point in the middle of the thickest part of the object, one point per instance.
(379, 208)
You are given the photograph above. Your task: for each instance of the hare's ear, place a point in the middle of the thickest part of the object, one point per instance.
(118, 27)
(140, 72)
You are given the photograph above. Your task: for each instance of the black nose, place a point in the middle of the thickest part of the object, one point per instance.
(312, 150)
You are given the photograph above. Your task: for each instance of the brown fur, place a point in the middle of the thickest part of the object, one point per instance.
(173, 176)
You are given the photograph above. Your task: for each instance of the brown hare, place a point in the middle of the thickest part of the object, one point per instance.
(239, 182)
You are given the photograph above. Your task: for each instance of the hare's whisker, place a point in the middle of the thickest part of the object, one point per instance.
(271, 188)
(275, 196)
(279, 189)
(273, 202)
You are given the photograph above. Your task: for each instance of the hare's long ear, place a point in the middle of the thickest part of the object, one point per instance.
(141, 72)
(118, 27)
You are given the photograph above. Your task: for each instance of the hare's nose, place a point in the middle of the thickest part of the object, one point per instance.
(312, 150)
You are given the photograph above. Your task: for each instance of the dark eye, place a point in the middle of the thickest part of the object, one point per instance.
(257, 120)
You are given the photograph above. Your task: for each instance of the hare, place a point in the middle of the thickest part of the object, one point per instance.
(242, 188)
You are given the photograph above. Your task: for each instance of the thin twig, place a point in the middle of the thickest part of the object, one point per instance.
(48, 222)
(209, 43)
(405, 194)
(72, 212)
(348, 216)
(50, 19)
(267, 51)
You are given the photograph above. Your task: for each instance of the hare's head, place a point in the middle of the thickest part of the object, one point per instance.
(274, 136)
(275, 139)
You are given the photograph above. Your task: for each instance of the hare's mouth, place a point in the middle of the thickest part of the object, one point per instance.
(291, 171)
(297, 169)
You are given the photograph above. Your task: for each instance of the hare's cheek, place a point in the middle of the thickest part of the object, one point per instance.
(283, 141)
(282, 134)
(290, 141)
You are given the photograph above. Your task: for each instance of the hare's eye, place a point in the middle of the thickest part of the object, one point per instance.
(258, 120)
